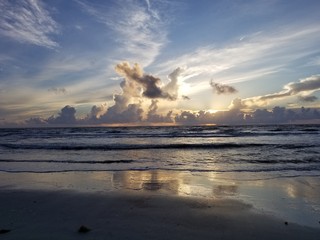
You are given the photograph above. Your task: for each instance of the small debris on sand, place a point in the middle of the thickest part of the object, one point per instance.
(84, 229)
(3, 231)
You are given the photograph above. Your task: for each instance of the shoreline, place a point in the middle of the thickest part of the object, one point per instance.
(157, 205)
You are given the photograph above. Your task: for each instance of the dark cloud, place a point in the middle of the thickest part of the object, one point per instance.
(259, 116)
(307, 98)
(185, 97)
(37, 121)
(66, 116)
(308, 84)
(57, 90)
(186, 117)
(219, 88)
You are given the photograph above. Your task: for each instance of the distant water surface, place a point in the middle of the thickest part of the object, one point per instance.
(254, 151)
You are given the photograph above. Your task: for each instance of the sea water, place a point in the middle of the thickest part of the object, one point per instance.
(256, 152)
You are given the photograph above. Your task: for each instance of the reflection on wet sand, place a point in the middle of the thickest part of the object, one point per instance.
(225, 190)
(147, 180)
(289, 198)
(177, 183)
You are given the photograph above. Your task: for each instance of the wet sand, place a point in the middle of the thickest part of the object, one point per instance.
(148, 205)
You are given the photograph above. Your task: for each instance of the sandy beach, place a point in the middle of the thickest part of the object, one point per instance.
(152, 205)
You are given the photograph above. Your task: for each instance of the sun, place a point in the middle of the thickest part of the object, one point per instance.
(213, 110)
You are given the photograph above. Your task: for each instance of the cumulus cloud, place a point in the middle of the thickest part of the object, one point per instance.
(66, 116)
(154, 117)
(219, 88)
(27, 21)
(133, 113)
(150, 85)
(127, 104)
(173, 86)
(237, 104)
(97, 111)
(137, 87)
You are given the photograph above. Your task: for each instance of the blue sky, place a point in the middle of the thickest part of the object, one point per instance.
(55, 53)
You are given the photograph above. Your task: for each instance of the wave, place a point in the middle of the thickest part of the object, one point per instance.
(66, 161)
(235, 161)
(312, 169)
(159, 132)
(120, 147)
(279, 161)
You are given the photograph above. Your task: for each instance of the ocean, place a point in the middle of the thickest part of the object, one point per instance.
(253, 152)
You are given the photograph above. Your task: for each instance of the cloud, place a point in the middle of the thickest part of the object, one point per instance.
(37, 121)
(237, 104)
(130, 105)
(219, 88)
(184, 97)
(97, 111)
(66, 116)
(132, 113)
(57, 91)
(259, 116)
(172, 88)
(137, 87)
(253, 58)
(154, 117)
(127, 104)
(139, 29)
(27, 21)
(148, 84)
(304, 86)
(307, 98)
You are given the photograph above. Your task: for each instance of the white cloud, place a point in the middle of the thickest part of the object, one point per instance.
(139, 30)
(262, 53)
(27, 21)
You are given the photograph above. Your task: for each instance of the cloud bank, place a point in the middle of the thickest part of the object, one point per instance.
(137, 104)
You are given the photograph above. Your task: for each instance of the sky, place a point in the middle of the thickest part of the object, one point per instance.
(158, 61)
